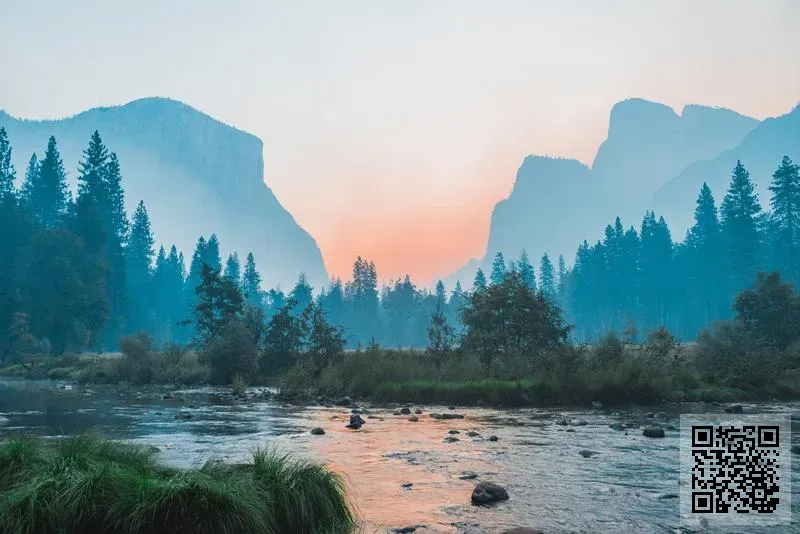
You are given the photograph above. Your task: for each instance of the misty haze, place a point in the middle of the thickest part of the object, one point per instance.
(333, 267)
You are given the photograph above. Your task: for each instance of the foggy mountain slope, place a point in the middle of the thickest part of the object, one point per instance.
(195, 174)
(760, 152)
(557, 203)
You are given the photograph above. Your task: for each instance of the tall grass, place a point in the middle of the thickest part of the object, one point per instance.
(88, 484)
(717, 368)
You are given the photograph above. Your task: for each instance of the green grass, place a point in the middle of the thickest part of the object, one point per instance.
(89, 484)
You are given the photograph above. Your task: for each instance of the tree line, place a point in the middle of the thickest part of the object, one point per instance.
(77, 275)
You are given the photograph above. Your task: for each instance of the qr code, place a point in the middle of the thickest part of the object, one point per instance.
(735, 466)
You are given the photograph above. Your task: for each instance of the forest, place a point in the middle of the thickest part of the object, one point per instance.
(80, 275)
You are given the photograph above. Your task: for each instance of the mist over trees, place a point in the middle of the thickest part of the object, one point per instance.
(77, 275)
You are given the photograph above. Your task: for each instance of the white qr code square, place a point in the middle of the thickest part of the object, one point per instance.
(735, 470)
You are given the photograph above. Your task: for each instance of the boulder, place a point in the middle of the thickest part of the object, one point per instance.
(405, 411)
(472, 434)
(318, 431)
(493, 438)
(413, 418)
(451, 439)
(344, 401)
(587, 453)
(653, 432)
(488, 492)
(435, 416)
(734, 408)
(453, 432)
(418, 411)
(452, 416)
(468, 475)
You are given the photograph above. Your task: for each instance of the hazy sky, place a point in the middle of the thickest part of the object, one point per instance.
(392, 127)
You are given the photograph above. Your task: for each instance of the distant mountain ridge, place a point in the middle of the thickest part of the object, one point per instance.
(556, 203)
(196, 175)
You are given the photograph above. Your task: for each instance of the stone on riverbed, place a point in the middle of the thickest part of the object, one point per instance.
(355, 422)
(587, 453)
(418, 411)
(344, 401)
(468, 475)
(413, 418)
(617, 426)
(183, 415)
(493, 438)
(451, 439)
(318, 431)
(653, 432)
(734, 408)
(405, 411)
(472, 434)
(453, 432)
(488, 492)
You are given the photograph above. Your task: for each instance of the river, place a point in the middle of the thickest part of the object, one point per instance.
(580, 477)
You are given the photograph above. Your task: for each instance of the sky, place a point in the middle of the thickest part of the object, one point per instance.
(391, 128)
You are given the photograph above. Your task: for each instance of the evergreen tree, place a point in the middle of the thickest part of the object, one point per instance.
(233, 269)
(30, 181)
(47, 196)
(251, 282)
(441, 296)
(547, 277)
(562, 278)
(526, 270)
(219, 303)
(363, 289)
(741, 238)
(7, 173)
(498, 269)
(479, 283)
(139, 269)
(332, 302)
(785, 203)
(301, 294)
(92, 171)
(212, 256)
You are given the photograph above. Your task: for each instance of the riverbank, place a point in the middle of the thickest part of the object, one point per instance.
(90, 484)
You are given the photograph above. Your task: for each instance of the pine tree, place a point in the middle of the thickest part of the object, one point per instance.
(251, 282)
(212, 257)
(46, 193)
(785, 203)
(479, 283)
(547, 277)
(526, 270)
(196, 269)
(562, 277)
(7, 173)
(498, 269)
(302, 294)
(30, 180)
(140, 253)
(92, 171)
(441, 297)
(741, 237)
(233, 269)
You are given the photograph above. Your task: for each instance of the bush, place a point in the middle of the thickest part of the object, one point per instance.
(232, 352)
(88, 484)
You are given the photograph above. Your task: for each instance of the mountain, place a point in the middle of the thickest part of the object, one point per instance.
(557, 203)
(196, 176)
(760, 152)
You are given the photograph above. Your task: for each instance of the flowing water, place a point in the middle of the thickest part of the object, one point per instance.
(579, 477)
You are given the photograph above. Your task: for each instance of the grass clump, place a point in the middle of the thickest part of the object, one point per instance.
(90, 484)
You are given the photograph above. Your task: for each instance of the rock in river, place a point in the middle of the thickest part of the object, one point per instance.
(487, 492)
(451, 439)
(734, 408)
(653, 432)
(183, 415)
(413, 418)
(405, 411)
(355, 422)
(587, 453)
(453, 432)
(468, 475)
(493, 438)
(317, 431)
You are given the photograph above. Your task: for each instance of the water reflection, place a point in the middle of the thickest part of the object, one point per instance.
(582, 476)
